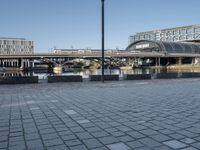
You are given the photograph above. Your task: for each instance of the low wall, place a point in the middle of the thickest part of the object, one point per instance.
(106, 77)
(190, 75)
(166, 75)
(53, 79)
(19, 80)
(137, 77)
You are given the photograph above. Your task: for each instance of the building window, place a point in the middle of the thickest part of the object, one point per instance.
(182, 38)
(176, 32)
(197, 30)
(183, 32)
(189, 31)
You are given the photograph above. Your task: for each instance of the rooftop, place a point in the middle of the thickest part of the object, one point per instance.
(9, 38)
(174, 28)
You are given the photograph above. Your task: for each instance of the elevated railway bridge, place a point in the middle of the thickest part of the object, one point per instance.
(158, 58)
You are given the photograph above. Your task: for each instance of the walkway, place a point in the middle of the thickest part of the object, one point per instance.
(124, 115)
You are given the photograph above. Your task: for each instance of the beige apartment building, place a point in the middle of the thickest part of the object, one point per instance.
(12, 46)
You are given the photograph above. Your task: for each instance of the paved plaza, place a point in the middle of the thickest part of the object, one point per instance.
(121, 115)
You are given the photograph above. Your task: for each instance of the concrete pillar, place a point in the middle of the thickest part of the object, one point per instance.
(179, 61)
(4, 63)
(22, 63)
(193, 60)
(1, 63)
(10, 63)
(159, 61)
(156, 61)
(16, 63)
(13, 63)
(129, 61)
(19, 63)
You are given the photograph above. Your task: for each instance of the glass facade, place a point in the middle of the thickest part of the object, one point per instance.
(164, 46)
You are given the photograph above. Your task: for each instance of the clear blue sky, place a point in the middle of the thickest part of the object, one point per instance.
(67, 23)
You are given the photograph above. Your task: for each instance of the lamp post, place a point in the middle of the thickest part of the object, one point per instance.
(102, 40)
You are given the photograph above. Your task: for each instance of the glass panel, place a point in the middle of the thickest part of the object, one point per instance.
(169, 33)
(183, 32)
(136, 38)
(147, 36)
(177, 48)
(189, 31)
(198, 50)
(168, 47)
(197, 29)
(176, 32)
(187, 48)
(182, 38)
(162, 34)
(141, 37)
(189, 37)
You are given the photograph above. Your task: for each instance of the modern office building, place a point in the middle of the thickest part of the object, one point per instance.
(11, 46)
(178, 34)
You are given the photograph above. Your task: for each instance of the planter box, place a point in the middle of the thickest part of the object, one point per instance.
(137, 77)
(19, 80)
(53, 79)
(190, 75)
(106, 77)
(167, 75)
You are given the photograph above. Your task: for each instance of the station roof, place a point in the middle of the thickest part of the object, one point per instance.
(165, 46)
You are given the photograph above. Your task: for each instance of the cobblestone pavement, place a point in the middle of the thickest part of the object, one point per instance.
(124, 115)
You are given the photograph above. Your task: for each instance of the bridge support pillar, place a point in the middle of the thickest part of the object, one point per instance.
(157, 61)
(20, 63)
(31, 64)
(10, 63)
(1, 63)
(6, 63)
(179, 61)
(193, 60)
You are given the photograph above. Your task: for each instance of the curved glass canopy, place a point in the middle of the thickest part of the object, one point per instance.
(163, 46)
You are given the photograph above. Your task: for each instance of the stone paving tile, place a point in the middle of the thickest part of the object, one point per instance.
(125, 138)
(196, 145)
(101, 148)
(175, 144)
(149, 142)
(78, 147)
(108, 140)
(161, 137)
(34, 144)
(100, 134)
(92, 143)
(162, 148)
(188, 141)
(135, 144)
(118, 146)
(136, 135)
(83, 121)
(70, 112)
(52, 142)
(189, 148)
(84, 135)
(58, 147)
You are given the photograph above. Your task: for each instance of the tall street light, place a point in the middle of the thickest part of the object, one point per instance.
(102, 30)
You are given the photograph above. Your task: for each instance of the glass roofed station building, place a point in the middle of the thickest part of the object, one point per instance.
(178, 45)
